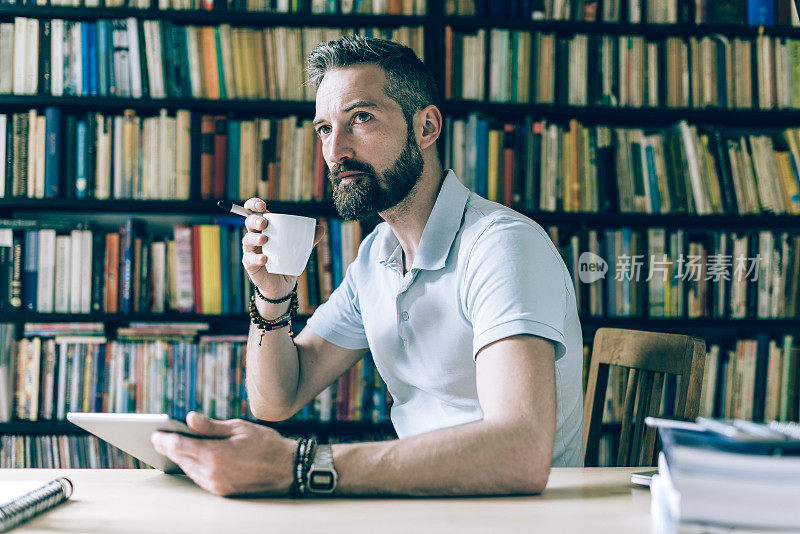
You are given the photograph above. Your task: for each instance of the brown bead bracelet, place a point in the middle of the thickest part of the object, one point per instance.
(267, 325)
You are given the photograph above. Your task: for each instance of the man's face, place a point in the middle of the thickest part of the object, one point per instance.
(373, 158)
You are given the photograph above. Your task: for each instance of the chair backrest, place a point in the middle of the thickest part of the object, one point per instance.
(646, 358)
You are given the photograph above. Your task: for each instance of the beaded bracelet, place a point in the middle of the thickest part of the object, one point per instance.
(302, 463)
(266, 325)
(292, 294)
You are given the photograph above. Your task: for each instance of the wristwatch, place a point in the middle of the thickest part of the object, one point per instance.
(322, 476)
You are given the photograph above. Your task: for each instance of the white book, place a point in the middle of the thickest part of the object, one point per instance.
(45, 277)
(183, 268)
(158, 275)
(32, 51)
(766, 244)
(62, 274)
(102, 176)
(147, 161)
(154, 174)
(297, 171)
(134, 60)
(226, 45)
(495, 65)
(118, 149)
(183, 160)
(78, 257)
(326, 404)
(693, 163)
(86, 272)
(6, 59)
(279, 38)
(709, 388)
(38, 165)
(76, 59)
(170, 184)
(156, 71)
(165, 156)
(20, 55)
(192, 45)
(57, 57)
(296, 58)
(3, 135)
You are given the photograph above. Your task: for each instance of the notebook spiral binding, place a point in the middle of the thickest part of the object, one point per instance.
(34, 503)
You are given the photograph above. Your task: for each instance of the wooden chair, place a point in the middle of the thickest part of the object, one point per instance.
(648, 356)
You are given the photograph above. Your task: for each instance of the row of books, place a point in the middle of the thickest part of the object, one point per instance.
(139, 268)
(317, 7)
(178, 156)
(699, 72)
(159, 368)
(735, 382)
(160, 59)
(757, 379)
(753, 12)
(62, 452)
(660, 273)
(683, 168)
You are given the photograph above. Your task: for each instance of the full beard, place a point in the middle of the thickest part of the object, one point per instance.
(371, 193)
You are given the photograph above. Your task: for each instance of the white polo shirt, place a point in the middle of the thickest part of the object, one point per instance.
(482, 272)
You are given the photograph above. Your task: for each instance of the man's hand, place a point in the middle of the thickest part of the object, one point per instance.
(246, 458)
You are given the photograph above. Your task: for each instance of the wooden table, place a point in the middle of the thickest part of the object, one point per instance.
(591, 500)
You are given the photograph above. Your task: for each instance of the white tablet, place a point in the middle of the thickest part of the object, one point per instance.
(131, 433)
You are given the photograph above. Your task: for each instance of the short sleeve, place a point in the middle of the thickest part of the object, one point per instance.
(338, 320)
(515, 284)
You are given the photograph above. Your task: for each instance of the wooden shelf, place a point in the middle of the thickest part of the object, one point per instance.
(239, 18)
(710, 328)
(239, 323)
(162, 207)
(655, 117)
(568, 27)
(644, 116)
(767, 221)
(233, 323)
(340, 428)
(79, 104)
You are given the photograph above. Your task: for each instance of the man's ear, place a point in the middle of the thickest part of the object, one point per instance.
(430, 118)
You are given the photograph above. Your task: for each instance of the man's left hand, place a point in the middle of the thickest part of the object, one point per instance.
(244, 458)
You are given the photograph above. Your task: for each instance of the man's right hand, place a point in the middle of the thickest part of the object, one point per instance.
(272, 286)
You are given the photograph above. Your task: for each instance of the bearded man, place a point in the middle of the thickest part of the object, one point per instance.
(465, 305)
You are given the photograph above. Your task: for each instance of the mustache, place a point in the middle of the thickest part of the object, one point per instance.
(350, 166)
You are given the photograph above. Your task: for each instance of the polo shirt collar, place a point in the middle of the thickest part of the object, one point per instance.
(440, 230)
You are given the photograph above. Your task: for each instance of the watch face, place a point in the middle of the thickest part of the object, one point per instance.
(321, 480)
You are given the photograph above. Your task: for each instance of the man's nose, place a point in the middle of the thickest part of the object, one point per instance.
(340, 147)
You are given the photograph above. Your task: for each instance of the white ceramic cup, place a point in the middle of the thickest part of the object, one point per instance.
(290, 239)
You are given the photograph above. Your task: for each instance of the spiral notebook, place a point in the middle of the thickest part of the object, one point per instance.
(22, 500)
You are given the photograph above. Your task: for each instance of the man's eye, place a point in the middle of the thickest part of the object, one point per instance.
(362, 117)
(323, 130)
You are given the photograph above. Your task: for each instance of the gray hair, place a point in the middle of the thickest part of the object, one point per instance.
(408, 81)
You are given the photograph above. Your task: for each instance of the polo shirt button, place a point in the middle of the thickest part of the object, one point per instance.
(404, 315)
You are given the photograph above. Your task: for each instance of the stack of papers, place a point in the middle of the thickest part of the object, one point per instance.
(709, 482)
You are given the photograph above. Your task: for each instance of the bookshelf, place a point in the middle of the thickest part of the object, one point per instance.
(433, 24)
